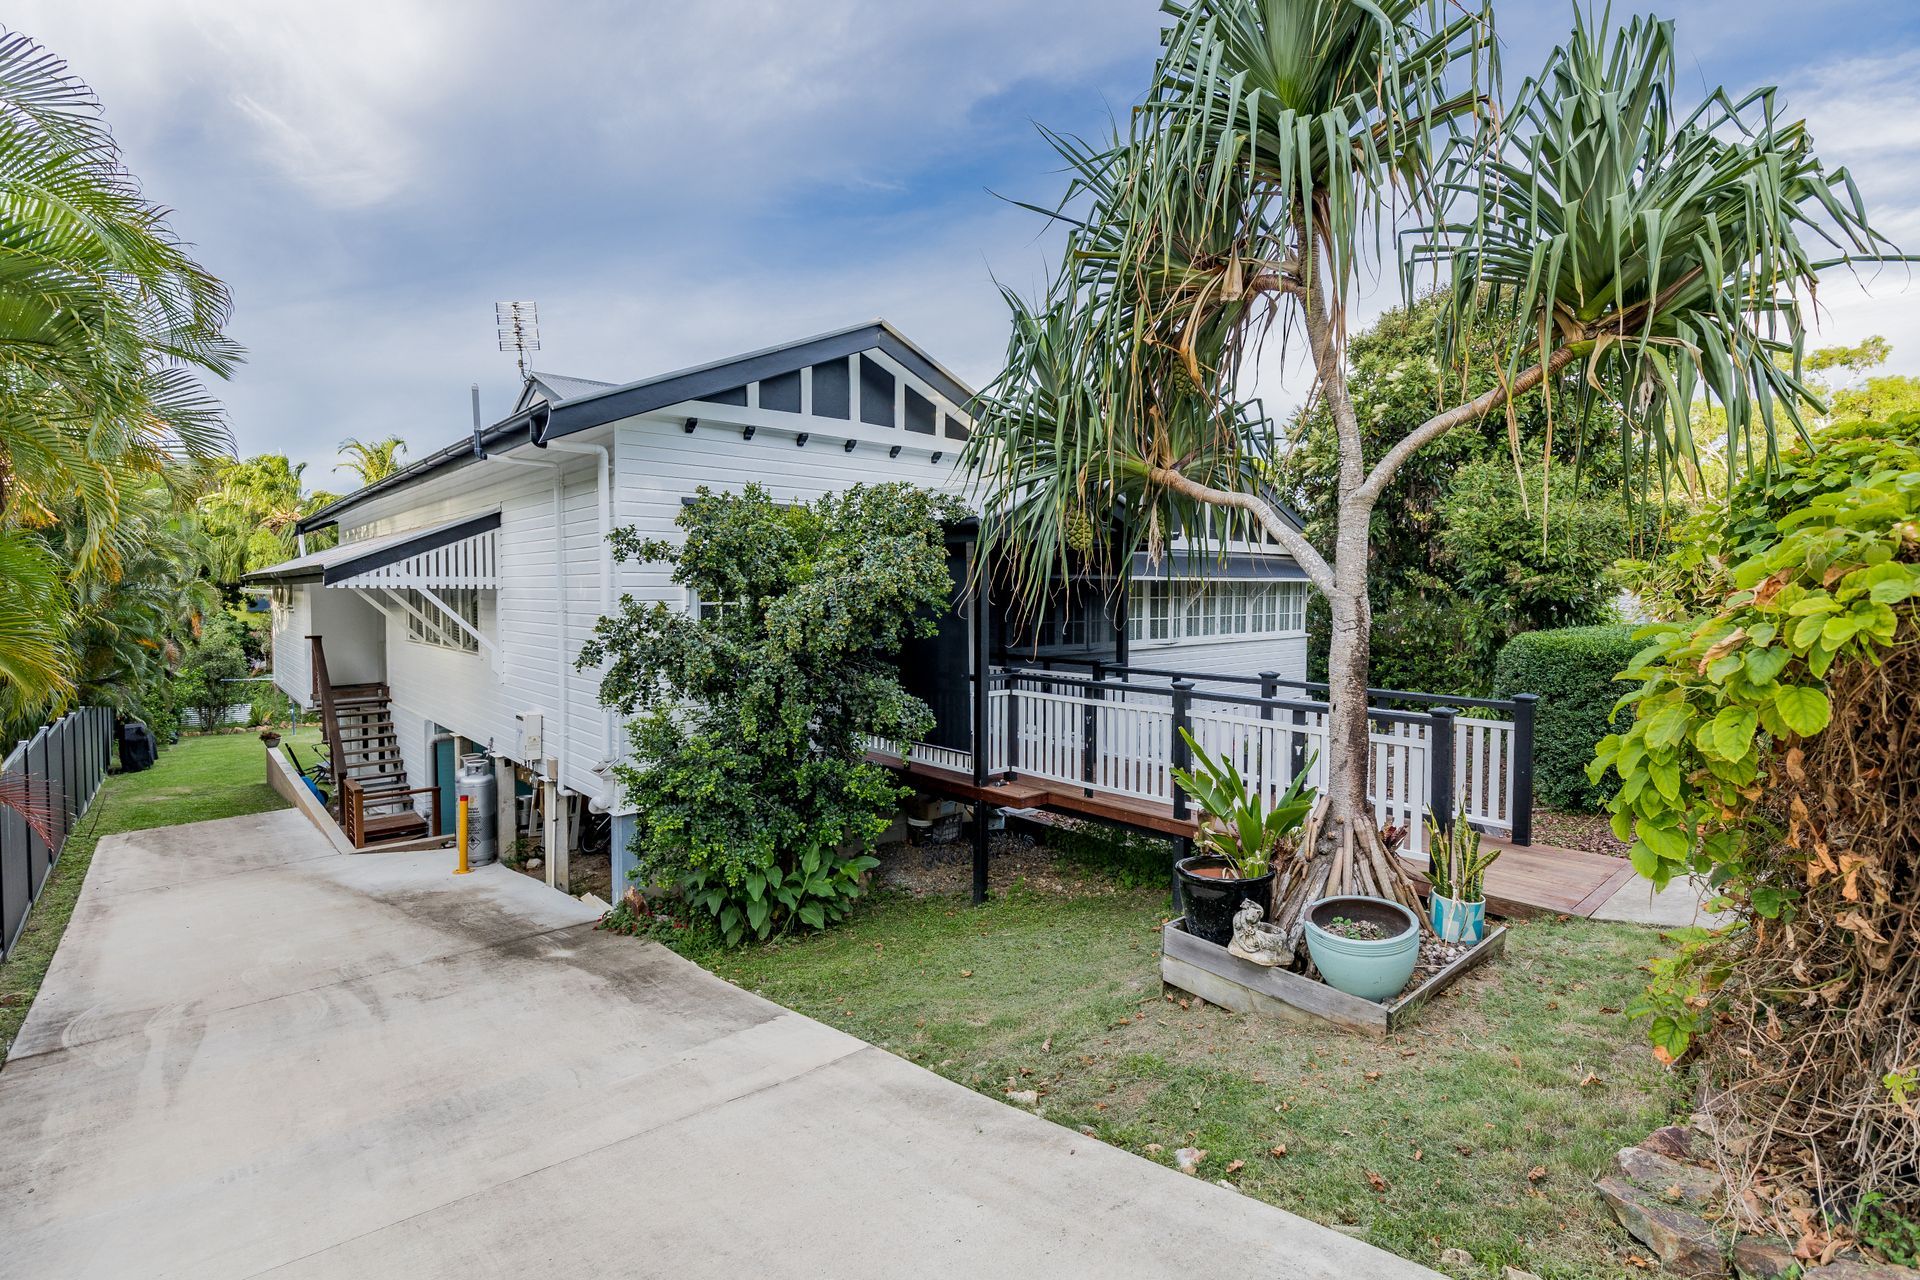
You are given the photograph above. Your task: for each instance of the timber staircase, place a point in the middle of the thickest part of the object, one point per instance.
(371, 798)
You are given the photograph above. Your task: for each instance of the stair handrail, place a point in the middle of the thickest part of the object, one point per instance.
(329, 722)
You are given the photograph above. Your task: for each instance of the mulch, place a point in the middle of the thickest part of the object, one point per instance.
(937, 868)
(1587, 831)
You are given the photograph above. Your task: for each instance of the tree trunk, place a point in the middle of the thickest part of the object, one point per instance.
(1347, 746)
(1344, 854)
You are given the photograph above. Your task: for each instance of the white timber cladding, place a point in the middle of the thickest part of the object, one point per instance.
(538, 609)
(465, 691)
(292, 670)
(1286, 656)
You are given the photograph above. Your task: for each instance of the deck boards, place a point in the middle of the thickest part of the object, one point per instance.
(1528, 880)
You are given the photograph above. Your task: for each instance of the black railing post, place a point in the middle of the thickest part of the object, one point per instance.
(1269, 690)
(1090, 728)
(1179, 757)
(982, 676)
(1013, 722)
(1440, 766)
(1522, 801)
(982, 720)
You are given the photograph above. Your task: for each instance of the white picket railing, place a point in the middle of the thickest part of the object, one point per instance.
(1043, 736)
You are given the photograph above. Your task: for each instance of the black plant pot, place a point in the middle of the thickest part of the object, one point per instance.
(1212, 901)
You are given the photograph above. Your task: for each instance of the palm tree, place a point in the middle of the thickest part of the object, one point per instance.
(249, 511)
(374, 461)
(1638, 250)
(104, 322)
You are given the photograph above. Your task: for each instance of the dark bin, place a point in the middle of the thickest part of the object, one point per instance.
(137, 748)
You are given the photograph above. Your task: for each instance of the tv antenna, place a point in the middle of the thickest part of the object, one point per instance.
(519, 327)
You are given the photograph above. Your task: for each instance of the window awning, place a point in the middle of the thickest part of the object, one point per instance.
(459, 553)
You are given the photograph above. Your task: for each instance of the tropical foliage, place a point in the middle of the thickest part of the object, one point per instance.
(1238, 824)
(754, 798)
(1769, 749)
(106, 325)
(210, 668)
(1659, 250)
(249, 513)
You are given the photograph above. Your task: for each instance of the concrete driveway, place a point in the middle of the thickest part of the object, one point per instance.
(257, 1056)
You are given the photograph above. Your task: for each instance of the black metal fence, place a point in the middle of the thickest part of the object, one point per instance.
(46, 784)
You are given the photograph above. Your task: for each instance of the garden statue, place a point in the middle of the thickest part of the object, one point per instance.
(1255, 940)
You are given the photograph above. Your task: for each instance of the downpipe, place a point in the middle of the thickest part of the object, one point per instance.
(603, 800)
(553, 469)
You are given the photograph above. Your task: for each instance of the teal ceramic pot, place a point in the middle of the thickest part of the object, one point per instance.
(1373, 969)
(1457, 921)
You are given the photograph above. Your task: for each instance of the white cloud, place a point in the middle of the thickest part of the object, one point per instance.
(339, 99)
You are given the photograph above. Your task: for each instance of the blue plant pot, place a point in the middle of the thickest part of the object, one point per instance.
(1457, 921)
(1373, 969)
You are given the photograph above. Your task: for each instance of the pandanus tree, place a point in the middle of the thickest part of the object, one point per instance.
(1638, 253)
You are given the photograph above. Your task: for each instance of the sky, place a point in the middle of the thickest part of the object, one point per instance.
(675, 183)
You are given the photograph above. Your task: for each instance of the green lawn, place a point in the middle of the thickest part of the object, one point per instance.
(1485, 1121)
(204, 776)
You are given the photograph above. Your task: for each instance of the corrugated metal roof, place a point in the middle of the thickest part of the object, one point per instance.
(566, 388)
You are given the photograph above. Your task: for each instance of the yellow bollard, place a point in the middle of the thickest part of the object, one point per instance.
(460, 826)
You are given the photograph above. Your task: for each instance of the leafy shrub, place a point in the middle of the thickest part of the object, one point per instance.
(755, 800)
(269, 707)
(1542, 563)
(209, 664)
(1427, 640)
(1573, 669)
(1774, 725)
(1889, 1233)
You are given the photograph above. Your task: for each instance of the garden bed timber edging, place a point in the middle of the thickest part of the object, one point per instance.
(1219, 977)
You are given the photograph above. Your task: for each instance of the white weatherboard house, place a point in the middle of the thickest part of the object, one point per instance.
(449, 617)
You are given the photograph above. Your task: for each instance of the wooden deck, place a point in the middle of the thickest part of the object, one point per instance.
(1529, 880)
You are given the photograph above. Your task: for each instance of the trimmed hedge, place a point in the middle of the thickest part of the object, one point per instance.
(1573, 670)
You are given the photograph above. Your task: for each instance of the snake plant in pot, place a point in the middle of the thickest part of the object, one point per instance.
(1238, 837)
(1457, 905)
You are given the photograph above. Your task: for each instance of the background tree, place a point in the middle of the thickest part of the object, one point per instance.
(371, 462)
(211, 665)
(249, 511)
(749, 775)
(1652, 248)
(1538, 527)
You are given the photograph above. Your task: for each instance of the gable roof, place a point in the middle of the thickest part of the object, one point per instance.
(546, 419)
(555, 387)
(705, 381)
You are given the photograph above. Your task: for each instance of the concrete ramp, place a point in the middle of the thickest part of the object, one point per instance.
(255, 1056)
